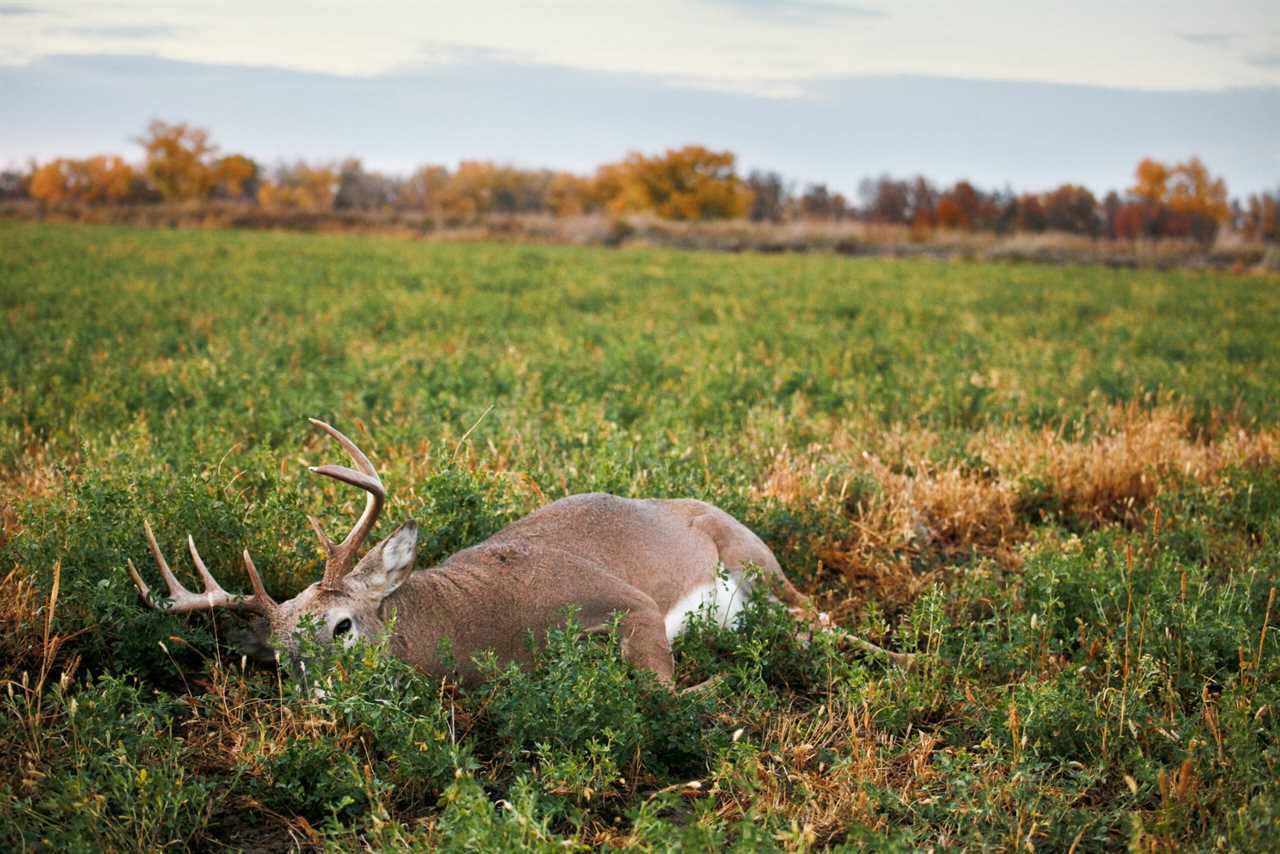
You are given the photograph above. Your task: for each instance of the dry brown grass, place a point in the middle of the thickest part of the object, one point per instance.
(22, 610)
(850, 237)
(32, 476)
(789, 777)
(24, 641)
(1132, 455)
(917, 507)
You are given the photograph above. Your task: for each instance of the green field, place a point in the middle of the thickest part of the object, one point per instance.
(1060, 486)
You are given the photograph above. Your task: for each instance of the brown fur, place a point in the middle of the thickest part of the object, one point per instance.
(597, 553)
(651, 561)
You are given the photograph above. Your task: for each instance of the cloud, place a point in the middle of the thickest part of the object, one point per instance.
(1264, 60)
(1220, 40)
(119, 31)
(439, 53)
(1246, 47)
(798, 11)
(15, 9)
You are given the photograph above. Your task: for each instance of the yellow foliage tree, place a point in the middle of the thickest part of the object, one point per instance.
(469, 190)
(300, 187)
(425, 189)
(690, 183)
(178, 160)
(606, 186)
(571, 195)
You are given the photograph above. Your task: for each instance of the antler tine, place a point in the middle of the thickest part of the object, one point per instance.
(259, 592)
(182, 599)
(260, 602)
(342, 556)
(175, 589)
(209, 583)
(143, 590)
(349, 446)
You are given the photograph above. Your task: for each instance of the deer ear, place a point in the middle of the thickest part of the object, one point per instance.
(381, 576)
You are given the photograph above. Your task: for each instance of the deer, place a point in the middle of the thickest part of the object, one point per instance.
(648, 563)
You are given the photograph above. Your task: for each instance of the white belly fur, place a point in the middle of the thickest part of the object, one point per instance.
(724, 598)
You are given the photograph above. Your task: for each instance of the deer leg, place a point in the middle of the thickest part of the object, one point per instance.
(643, 631)
(739, 546)
(644, 644)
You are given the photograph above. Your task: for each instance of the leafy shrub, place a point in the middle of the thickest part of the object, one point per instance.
(471, 822)
(581, 716)
(459, 509)
(378, 732)
(112, 773)
(765, 650)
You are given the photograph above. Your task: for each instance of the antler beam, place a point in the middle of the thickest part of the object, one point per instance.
(342, 556)
(213, 596)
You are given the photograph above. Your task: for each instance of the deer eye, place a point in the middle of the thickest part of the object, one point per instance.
(343, 626)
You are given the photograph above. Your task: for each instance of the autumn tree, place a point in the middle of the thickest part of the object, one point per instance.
(817, 202)
(15, 184)
(922, 203)
(181, 164)
(102, 178)
(571, 195)
(52, 182)
(424, 189)
(178, 160)
(885, 200)
(1029, 213)
(964, 206)
(905, 202)
(479, 187)
(1182, 200)
(299, 186)
(1260, 219)
(1073, 209)
(235, 177)
(360, 189)
(769, 196)
(690, 183)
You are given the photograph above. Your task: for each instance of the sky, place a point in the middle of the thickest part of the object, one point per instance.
(1028, 94)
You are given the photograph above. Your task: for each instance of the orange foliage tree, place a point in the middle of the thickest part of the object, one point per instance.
(690, 183)
(102, 178)
(571, 195)
(1182, 200)
(235, 176)
(52, 182)
(965, 206)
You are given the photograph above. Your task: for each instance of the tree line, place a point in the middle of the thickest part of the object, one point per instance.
(180, 163)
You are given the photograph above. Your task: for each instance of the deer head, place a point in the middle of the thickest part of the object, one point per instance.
(345, 603)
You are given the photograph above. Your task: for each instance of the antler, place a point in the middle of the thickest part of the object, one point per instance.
(182, 599)
(342, 557)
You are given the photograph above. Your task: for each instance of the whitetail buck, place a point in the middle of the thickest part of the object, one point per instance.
(653, 561)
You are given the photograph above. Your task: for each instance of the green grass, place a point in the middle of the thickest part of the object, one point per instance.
(1090, 676)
